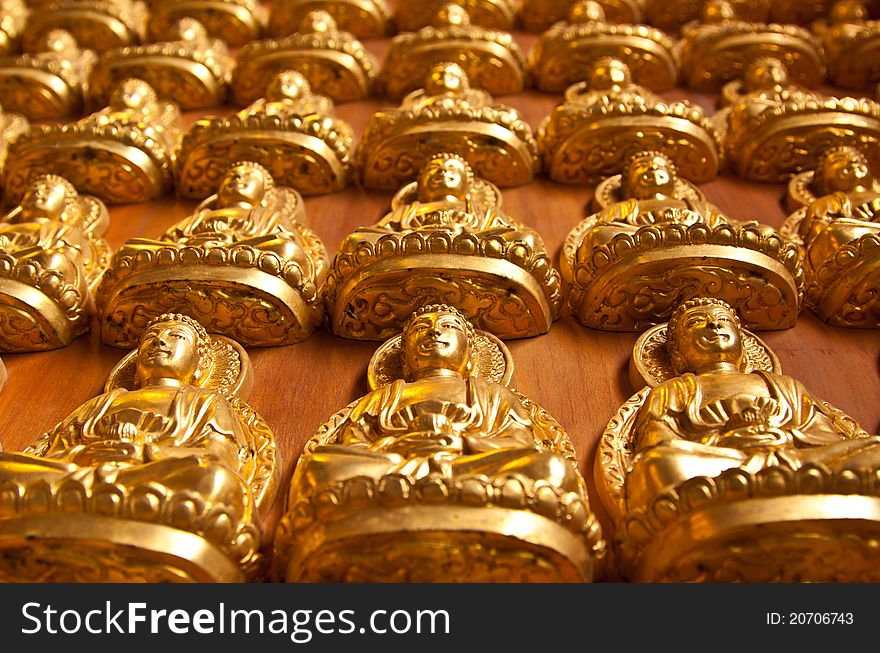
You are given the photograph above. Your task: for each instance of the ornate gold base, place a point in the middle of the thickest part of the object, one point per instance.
(65, 548)
(844, 291)
(579, 146)
(366, 19)
(31, 321)
(374, 301)
(294, 158)
(437, 544)
(640, 290)
(190, 84)
(495, 153)
(253, 307)
(337, 74)
(232, 22)
(806, 538)
(786, 140)
(38, 94)
(110, 169)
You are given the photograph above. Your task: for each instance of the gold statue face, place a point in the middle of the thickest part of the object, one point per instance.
(766, 72)
(844, 170)
(318, 22)
(242, 184)
(447, 78)
(848, 11)
(46, 197)
(706, 335)
(58, 40)
(168, 351)
(444, 179)
(288, 85)
(452, 14)
(133, 94)
(586, 11)
(650, 176)
(718, 11)
(436, 341)
(608, 73)
(191, 30)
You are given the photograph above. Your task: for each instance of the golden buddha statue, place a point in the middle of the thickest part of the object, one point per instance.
(718, 47)
(52, 257)
(445, 238)
(491, 14)
(773, 128)
(242, 264)
(723, 467)
(47, 84)
(838, 229)
(567, 50)
(629, 264)
(194, 70)
(672, 15)
(98, 25)
(541, 15)
(122, 153)
(366, 19)
(235, 22)
(841, 170)
(852, 45)
(13, 17)
(11, 125)
(494, 139)
(440, 473)
(333, 62)
(607, 118)
(163, 477)
(491, 58)
(291, 131)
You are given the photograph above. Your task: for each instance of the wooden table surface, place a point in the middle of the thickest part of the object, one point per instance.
(578, 374)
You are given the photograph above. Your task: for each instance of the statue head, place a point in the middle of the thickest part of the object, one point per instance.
(438, 338)
(451, 14)
(172, 351)
(447, 77)
(246, 184)
(191, 30)
(586, 11)
(848, 11)
(445, 177)
(318, 22)
(717, 11)
(765, 72)
(649, 175)
(133, 94)
(608, 73)
(48, 196)
(703, 333)
(843, 169)
(288, 85)
(57, 40)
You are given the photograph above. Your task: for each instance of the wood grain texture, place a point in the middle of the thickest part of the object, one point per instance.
(579, 375)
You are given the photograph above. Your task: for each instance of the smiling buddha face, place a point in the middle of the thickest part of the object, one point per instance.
(445, 178)
(438, 337)
(703, 333)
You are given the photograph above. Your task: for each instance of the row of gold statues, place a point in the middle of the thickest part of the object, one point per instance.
(133, 149)
(719, 468)
(128, 22)
(191, 65)
(246, 267)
